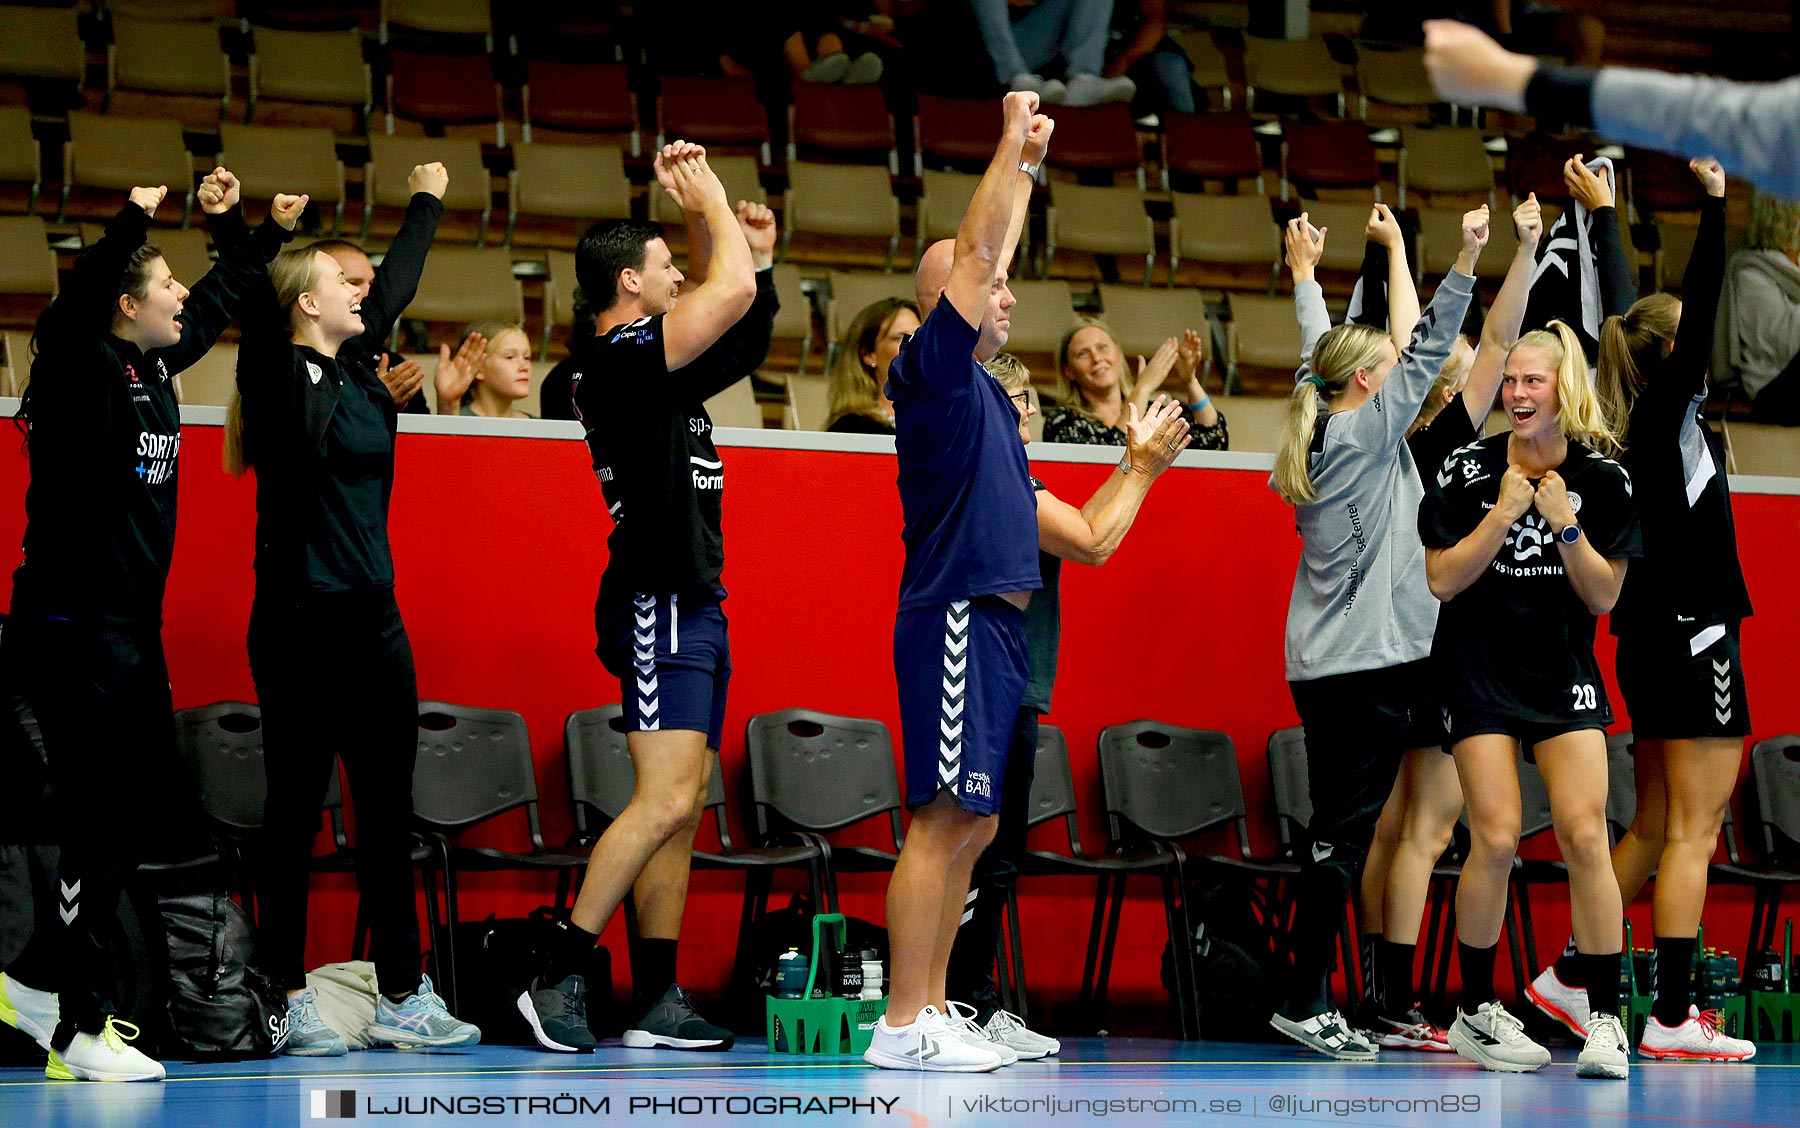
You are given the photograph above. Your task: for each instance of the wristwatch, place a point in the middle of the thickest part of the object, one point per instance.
(1028, 169)
(1570, 533)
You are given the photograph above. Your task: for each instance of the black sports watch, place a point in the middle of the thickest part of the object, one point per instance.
(1570, 533)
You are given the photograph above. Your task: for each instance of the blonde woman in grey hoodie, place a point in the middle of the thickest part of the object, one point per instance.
(1361, 617)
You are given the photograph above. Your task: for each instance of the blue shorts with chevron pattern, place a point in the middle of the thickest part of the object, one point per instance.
(961, 668)
(673, 661)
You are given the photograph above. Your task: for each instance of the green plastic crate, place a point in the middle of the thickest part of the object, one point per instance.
(822, 1027)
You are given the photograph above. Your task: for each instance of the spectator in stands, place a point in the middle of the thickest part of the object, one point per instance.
(318, 424)
(489, 375)
(1761, 340)
(85, 635)
(859, 403)
(1094, 384)
(1024, 36)
(403, 380)
(1143, 52)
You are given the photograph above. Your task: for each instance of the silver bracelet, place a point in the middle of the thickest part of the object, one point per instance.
(1028, 169)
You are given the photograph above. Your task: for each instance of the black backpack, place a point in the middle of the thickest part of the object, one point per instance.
(220, 1006)
(1237, 969)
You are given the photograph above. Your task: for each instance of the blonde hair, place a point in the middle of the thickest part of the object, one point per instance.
(1448, 385)
(1774, 223)
(490, 331)
(1580, 413)
(291, 274)
(1629, 346)
(1009, 370)
(854, 390)
(1335, 360)
(1066, 392)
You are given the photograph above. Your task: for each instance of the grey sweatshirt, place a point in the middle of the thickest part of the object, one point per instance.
(1758, 331)
(1360, 600)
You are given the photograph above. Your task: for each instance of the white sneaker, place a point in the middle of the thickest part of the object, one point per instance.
(28, 1010)
(962, 1016)
(1008, 1029)
(1697, 1039)
(1494, 1039)
(1092, 90)
(104, 1057)
(1567, 1005)
(929, 1043)
(1606, 1053)
(1330, 1034)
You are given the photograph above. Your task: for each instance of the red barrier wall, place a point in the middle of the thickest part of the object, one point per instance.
(499, 545)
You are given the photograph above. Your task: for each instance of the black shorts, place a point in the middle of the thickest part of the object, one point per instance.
(1394, 709)
(1674, 693)
(1464, 723)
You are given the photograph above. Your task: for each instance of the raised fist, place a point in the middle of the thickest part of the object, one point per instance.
(286, 209)
(219, 192)
(758, 225)
(148, 198)
(433, 178)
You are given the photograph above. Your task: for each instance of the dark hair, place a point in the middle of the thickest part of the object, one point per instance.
(61, 322)
(333, 246)
(607, 249)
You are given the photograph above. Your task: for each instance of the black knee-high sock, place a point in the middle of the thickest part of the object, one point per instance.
(1477, 966)
(1673, 975)
(1396, 974)
(1600, 976)
(656, 967)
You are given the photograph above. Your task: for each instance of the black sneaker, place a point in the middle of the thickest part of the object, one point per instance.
(558, 1015)
(673, 1024)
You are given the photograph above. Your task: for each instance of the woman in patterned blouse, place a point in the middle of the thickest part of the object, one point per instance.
(1094, 383)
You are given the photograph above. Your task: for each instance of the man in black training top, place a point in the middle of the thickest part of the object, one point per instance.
(639, 386)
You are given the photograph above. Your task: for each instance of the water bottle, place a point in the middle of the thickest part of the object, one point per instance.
(790, 975)
(849, 975)
(871, 975)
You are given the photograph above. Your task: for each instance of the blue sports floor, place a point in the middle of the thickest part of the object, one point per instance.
(1125, 1081)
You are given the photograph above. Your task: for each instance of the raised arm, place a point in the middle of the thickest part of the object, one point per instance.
(215, 297)
(1305, 245)
(746, 344)
(1668, 400)
(1091, 534)
(95, 277)
(1502, 326)
(1595, 192)
(1403, 294)
(397, 279)
(1753, 128)
(987, 227)
(703, 316)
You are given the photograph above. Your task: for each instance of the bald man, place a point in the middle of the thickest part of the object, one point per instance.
(971, 566)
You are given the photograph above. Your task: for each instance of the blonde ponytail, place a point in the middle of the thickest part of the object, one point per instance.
(1335, 360)
(1630, 346)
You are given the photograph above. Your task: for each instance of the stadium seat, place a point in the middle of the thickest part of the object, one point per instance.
(741, 176)
(848, 122)
(1297, 68)
(840, 200)
(584, 97)
(793, 322)
(1143, 319)
(712, 111)
(322, 68)
(585, 182)
(15, 361)
(211, 379)
(1656, 183)
(184, 249)
(1448, 160)
(439, 89)
(944, 197)
(27, 264)
(1210, 69)
(19, 153)
(1201, 147)
(1330, 155)
(167, 58)
(1440, 241)
(461, 285)
(392, 159)
(809, 402)
(442, 17)
(1094, 140)
(736, 406)
(1223, 230)
(853, 291)
(559, 296)
(1043, 313)
(42, 43)
(1394, 78)
(958, 132)
(269, 159)
(1263, 333)
(1345, 244)
(119, 154)
(1100, 221)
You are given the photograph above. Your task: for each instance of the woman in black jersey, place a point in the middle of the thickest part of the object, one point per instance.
(1677, 623)
(85, 633)
(333, 668)
(1527, 535)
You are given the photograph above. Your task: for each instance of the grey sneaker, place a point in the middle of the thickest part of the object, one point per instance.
(308, 1035)
(1009, 1030)
(1329, 1033)
(558, 1015)
(674, 1024)
(1092, 90)
(1496, 1040)
(419, 1021)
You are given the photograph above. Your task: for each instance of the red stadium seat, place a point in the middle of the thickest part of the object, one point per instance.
(840, 120)
(1210, 147)
(591, 97)
(1329, 155)
(712, 111)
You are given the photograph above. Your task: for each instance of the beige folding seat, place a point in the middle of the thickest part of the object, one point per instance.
(392, 159)
(1101, 221)
(1344, 244)
(841, 200)
(853, 291)
(1301, 68)
(568, 181)
(42, 42)
(1263, 333)
(27, 264)
(119, 154)
(1210, 70)
(211, 379)
(736, 406)
(1230, 230)
(445, 17)
(1447, 160)
(269, 159)
(461, 285)
(1043, 312)
(168, 57)
(19, 153)
(739, 174)
(323, 68)
(1143, 319)
(1393, 78)
(793, 321)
